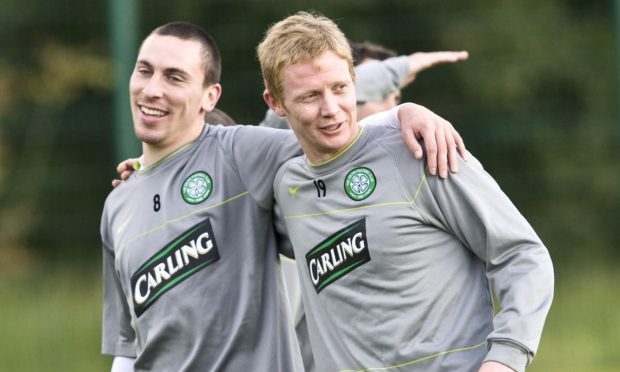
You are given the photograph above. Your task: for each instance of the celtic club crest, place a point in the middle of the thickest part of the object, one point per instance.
(360, 183)
(197, 187)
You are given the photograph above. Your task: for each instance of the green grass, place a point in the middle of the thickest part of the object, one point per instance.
(51, 321)
(582, 332)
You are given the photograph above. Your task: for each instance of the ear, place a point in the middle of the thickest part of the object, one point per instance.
(273, 104)
(210, 97)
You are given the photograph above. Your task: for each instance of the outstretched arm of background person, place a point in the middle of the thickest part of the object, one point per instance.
(420, 61)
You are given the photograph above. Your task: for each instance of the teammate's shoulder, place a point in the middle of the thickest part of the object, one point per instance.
(257, 135)
(251, 128)
(215, 130)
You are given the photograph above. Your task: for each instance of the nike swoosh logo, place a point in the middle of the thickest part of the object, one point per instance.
(293, 190)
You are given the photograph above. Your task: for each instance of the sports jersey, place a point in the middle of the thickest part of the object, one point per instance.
(375, 80)
(289, 268)
(396, 266)
(190, 263)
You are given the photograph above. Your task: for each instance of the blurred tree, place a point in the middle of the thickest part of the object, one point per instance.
(535, 103)
(52, 60)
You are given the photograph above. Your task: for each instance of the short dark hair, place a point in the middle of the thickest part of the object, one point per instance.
(366, 49)
(210, 52)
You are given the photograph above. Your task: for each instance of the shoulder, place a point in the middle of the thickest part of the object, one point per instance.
(297, 164)
(245, 131)
(386, 146)
(383, 135)
(279, 144)
(120, 192)
(115, 202)
(220, 132)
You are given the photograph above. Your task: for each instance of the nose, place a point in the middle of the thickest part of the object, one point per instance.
(153, 87)
(329, 105)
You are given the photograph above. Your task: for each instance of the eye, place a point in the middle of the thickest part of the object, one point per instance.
(307, 98)
(340, 88)
(141, 70)
(175, 78)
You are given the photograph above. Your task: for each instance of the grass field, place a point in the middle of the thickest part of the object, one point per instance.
(51, 321)
(582, 332)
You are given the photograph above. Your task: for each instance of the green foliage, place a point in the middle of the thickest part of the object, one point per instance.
(536, 103)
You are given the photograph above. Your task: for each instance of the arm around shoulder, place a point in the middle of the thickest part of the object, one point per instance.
(442, 142)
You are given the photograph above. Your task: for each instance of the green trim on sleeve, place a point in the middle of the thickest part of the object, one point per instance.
(415, 361)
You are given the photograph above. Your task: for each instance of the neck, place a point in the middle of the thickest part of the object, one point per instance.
(321, 159)
(154, 152)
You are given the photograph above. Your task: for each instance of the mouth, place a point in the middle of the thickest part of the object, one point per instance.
(149, 111)
(331, 128)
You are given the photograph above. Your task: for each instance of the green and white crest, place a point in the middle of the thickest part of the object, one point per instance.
(197, 187)
(360, 183)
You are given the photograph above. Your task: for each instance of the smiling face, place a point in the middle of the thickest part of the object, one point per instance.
(167, 94)
(319, 103)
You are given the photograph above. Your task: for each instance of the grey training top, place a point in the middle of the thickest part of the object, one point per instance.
(190, 262)
(396, 266)
(375, 80)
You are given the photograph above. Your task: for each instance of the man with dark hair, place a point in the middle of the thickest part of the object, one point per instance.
(191, 282)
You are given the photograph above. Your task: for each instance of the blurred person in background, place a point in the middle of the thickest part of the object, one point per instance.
(380, 77)
(218, 116)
